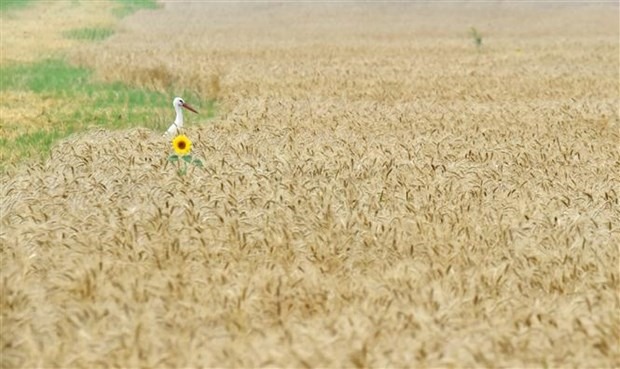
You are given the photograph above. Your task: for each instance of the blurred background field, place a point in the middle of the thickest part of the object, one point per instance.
(384, 185)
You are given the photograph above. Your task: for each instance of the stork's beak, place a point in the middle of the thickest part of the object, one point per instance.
(188, 107)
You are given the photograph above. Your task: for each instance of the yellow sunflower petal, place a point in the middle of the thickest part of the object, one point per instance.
(182, 145)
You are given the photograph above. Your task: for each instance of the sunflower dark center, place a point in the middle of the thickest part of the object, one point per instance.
(181, 145)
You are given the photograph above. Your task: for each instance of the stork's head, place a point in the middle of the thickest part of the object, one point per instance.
(180, 103)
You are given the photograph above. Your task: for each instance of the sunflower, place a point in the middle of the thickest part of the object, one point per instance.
(181, 145)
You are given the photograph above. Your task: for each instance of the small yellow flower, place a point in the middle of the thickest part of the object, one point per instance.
(181, 145)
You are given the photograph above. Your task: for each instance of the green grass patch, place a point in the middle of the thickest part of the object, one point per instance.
(84, 104)
(51, 76)
(128, 7)
(125, 7)
(6, 5)
(89, 34)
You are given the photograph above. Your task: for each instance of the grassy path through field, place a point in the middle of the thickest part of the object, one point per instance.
(44, 98)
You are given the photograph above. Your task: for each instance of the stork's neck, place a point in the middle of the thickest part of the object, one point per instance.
(178, 121)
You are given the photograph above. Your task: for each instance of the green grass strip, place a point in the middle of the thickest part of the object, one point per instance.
(89, 34)
(48, 76)
(131, 6)
(6, 5)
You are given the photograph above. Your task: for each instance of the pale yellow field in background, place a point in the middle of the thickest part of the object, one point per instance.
(38, 30)
(377, 192)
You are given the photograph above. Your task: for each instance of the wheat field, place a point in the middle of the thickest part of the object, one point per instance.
(377, 191)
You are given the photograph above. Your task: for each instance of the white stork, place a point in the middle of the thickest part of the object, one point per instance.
(175, 128)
